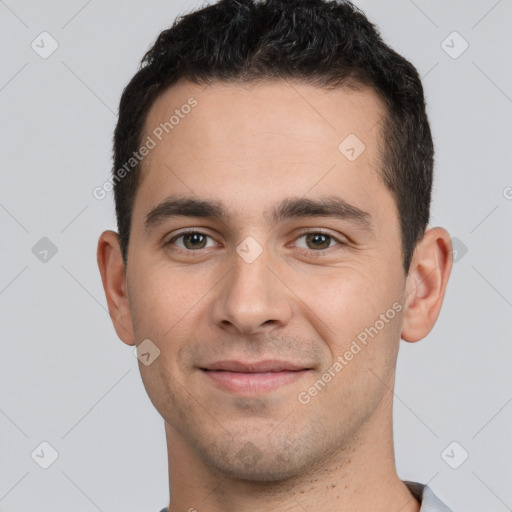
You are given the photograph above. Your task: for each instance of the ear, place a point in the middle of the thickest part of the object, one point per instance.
(426, 283)
(113, 276)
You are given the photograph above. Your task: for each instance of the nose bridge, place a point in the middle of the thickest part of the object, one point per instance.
(251, 294)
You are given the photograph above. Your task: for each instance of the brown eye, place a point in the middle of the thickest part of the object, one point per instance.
(195, 241)
(192, 240)
(318, 241)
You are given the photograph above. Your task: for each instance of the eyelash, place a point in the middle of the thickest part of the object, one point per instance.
(315, 231)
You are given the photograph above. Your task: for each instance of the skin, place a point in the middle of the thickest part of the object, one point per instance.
(250, 147)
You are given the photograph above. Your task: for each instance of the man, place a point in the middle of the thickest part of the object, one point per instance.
(273, 172)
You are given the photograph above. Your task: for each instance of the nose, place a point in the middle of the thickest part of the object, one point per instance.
(252, 298)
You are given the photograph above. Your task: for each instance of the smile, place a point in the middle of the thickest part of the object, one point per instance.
(253, 382)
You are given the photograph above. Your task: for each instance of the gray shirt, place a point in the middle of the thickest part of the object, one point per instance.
(423, 493)
(429, 501)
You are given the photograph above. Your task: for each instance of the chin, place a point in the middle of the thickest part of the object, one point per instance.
(264, 471)
(255, 459)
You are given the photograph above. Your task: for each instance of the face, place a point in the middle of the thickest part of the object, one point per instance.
(276, 307)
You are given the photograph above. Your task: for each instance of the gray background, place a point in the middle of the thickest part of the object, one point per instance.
(65, 377)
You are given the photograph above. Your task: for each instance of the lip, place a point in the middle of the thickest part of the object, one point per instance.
(269, 365)
(253, 378)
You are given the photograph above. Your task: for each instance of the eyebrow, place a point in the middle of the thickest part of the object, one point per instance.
(328, 206)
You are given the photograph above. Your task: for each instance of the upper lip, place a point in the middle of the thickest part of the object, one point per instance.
(255, 367)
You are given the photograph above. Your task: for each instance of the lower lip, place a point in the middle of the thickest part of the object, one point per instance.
(253, 382)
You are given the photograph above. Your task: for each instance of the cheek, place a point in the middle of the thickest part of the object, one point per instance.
(163, 311)
(162, 299)
(364, 319)
(357, 304)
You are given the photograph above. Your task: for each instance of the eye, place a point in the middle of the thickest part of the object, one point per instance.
(192, 240)
(319, 240)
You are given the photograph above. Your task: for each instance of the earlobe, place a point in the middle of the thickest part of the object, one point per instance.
(426, 283)
(113, 276)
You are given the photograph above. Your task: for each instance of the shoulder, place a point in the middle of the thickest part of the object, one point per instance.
(424, 494)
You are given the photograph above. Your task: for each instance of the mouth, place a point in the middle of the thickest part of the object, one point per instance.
(253, 378)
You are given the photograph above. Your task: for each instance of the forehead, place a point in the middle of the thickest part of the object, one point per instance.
(255, 143)
(278, 111)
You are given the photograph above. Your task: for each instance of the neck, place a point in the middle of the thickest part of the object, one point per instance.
(360, 477)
